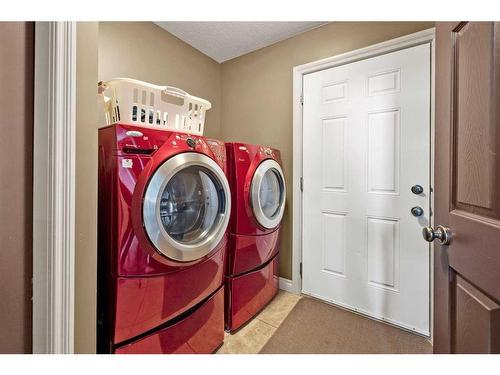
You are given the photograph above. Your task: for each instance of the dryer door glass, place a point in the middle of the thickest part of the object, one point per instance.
(190, 203)
(186, 207)
(268, 194)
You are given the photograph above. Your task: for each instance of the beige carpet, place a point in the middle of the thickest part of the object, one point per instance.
(316, 327)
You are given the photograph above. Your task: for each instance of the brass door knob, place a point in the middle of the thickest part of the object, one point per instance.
(442, 233)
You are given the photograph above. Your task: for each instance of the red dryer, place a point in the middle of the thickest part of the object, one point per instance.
(164, 204)
(258, 202)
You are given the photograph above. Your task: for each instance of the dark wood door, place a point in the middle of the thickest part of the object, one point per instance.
(467, 188)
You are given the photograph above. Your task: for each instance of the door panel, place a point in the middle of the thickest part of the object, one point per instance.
(366, 143)
(474, 120)
(476, 325)
(467, 272)
(383, 152)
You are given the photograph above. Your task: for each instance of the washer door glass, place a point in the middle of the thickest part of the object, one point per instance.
(268, 194)
(189, 204)
(186, 207)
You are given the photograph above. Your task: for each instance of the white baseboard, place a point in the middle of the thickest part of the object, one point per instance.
(287, 285)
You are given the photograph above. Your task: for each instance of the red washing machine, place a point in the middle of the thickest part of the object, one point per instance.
(258, 200)
(164, 205)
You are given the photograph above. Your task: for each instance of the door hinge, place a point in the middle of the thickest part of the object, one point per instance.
(301, 184)
(301, 100)
(300, 269)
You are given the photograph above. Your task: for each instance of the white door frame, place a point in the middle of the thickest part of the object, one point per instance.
(421, 37)
(54, 187)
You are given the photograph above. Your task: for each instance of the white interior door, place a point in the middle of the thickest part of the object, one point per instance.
(366, 143)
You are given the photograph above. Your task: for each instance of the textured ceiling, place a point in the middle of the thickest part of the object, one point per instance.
(223, 41)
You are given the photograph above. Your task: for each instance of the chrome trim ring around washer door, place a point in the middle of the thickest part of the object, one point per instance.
(162, 241)
(262, 218)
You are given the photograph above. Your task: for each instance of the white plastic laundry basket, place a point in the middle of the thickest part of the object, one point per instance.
(140, 103)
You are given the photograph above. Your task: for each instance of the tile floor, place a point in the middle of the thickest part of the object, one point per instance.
(253, 336)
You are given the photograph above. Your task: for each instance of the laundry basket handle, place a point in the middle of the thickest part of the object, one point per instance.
(171, 90)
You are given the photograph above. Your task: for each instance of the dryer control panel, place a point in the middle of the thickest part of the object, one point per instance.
(267, 152)
(218, 148)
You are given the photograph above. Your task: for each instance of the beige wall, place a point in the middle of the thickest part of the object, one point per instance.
(16, 186)
(257, 92)
(86, 187)
(144, 51)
